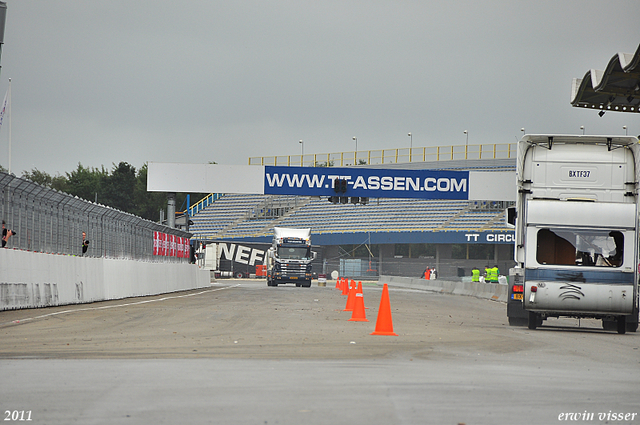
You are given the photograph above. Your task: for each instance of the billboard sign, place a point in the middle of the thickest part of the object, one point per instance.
(367, 182)
(318, 181)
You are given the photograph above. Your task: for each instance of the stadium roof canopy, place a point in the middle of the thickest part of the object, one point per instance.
(617, 88)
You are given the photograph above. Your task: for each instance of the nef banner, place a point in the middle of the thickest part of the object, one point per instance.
(170, 245)
(367, 182)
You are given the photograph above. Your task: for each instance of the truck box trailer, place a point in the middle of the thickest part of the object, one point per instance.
(576, 222)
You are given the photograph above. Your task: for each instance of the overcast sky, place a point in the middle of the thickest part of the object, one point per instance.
(99, 82)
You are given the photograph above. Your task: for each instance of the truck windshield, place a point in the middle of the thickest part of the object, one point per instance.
(293, 253)
(578, 247)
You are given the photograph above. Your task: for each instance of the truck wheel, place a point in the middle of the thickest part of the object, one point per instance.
(239, 275)
(534, 320)
(622, 325)
(307, 284)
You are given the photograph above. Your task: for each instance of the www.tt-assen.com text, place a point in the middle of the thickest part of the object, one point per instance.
(312, 182)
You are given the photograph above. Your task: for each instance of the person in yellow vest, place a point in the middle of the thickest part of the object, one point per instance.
(495, 272)
(475, 274)
(487, 273)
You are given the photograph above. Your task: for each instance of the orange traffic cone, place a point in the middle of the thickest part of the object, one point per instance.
(351, 299)
(358, 314)
(345, 287)
(384, 323)
(338, 283)
(359, 291)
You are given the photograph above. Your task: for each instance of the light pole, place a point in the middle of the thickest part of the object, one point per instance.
(524, 133)
(10, 118)
(410, 145)
(355, 153)
(624, 127)
(301, 153)
(466, 145)
(582, 128)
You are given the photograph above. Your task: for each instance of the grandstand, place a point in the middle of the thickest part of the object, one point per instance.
(251, 218)
(384, 221)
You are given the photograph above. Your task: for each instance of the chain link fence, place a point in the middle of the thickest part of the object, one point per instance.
(46, 220)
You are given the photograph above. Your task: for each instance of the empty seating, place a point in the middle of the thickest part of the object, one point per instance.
(237, 216)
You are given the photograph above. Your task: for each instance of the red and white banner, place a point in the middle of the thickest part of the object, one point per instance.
(170, 245)
(156, 243)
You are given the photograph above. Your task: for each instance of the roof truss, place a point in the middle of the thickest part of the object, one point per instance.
(616, 88)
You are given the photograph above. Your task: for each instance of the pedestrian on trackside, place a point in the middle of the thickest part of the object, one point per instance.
(475, 274)
(6, 234)
(85, 243)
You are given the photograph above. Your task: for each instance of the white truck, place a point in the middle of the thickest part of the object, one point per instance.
(289, 257)
(576, 220)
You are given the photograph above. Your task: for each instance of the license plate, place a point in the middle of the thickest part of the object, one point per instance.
(517, 296)
(293, 277)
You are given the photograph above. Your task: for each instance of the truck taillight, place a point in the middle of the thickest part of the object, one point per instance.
(534, 289)
(518, 288)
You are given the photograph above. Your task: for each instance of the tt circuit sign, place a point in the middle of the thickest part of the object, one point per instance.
(493, 238)
(332, 181)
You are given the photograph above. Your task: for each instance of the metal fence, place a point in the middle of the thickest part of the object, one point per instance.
(46, 220)
(391, 156)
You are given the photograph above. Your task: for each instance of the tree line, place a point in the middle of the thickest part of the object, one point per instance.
(123, 187)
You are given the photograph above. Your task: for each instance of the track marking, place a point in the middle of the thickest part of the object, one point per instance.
(16, 322)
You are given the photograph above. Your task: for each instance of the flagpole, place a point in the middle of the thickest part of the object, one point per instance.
(9, 107)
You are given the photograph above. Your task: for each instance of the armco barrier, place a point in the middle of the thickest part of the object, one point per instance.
(490, 291)
(32, 279)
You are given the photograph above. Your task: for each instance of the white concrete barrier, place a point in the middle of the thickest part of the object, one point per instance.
(34, 279)
(490, 291)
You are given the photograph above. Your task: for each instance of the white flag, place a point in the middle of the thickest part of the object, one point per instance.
(4, 107)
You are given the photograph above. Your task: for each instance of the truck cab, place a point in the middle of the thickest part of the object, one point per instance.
(289, 257)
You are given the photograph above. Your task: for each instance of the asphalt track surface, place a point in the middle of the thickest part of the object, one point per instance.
(244, 353)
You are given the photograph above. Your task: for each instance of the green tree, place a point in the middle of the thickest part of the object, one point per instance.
(118, 188)
(43, 178)
(86, 183)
